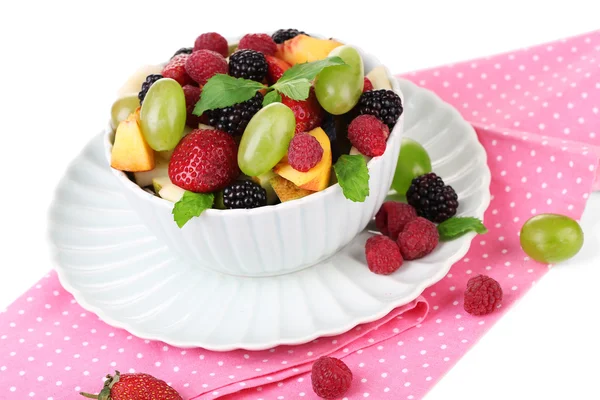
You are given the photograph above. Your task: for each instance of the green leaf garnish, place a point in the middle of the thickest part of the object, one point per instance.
(353, 176)
(455, 227)
(191, 205)
(295, 82)
(223, 91)
(271, 97)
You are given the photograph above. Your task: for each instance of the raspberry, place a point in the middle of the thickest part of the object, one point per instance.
(383, 255)
(368, 85)
(419, 238)
(330, 377)
(392, 217)
(482, 296)
(368, 134)
(304, 152)
(258, 41)
(201, 65)
(175, 69)
(204, 161)
(212, 41)
(192, 95)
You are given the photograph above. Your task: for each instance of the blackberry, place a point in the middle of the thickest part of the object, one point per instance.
(431, 198)
(183, 50)
(384, 104)
(281, 35)
(235, 118)
(150, 79)
(244, 194)
(248, 64)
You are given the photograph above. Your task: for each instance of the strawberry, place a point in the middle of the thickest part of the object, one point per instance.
(309, 113)
(204, 161)
(134, 387)
(276, 68)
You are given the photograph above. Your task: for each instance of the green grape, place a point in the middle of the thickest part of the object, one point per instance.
(339, 88)
(163, 115)
(122, 108)
(413, 161)
(551, 238)
(266, 139)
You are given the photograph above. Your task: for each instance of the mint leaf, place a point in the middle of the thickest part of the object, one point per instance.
(455, 227)
(295, 82)
(296, 89)
(224, 91)
(353, 176)
(271, 97)
(191, 205)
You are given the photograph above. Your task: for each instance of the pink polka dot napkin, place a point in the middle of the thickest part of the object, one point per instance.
(535, 111)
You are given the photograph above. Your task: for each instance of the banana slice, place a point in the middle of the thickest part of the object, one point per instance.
(354, 151)
(379, 79)
(134, 82)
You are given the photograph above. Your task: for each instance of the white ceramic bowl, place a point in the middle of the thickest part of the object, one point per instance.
(270, 240)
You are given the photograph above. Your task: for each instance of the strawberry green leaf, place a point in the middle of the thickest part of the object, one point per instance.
(223, 91)
(271, 97)
(353, 176)
(455, 227)
(191, 205)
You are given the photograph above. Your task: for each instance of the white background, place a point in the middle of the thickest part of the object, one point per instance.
(61, 63)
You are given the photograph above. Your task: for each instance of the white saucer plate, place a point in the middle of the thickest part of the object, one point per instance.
(114, 267)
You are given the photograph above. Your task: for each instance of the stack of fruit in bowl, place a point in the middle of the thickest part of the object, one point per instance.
(266, 120)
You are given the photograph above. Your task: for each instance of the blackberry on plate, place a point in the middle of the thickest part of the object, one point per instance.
(281, 35)
(432, 199)
(150, 79)
(235, 118)
(248, 64)
(384, 104)
(183, 50)
(244, 194)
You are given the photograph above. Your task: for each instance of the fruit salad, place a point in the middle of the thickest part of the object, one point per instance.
(265, 120)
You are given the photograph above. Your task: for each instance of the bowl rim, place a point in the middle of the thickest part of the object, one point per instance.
(158, 201)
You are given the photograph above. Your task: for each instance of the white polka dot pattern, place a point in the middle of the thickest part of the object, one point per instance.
(536, 113)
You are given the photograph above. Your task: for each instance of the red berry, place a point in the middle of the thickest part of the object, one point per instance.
(175, 69)
(419, 237)
(330, 377)
(201, 65)
(212, 41)
(482, 296)
(276, 68)
(368, 134)
(393, 216)
(259, 42)
(136, 386)
(309, 113)
(368, 85)
(383, 255)
(304, 152)
(192, 95)
(204, 161)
